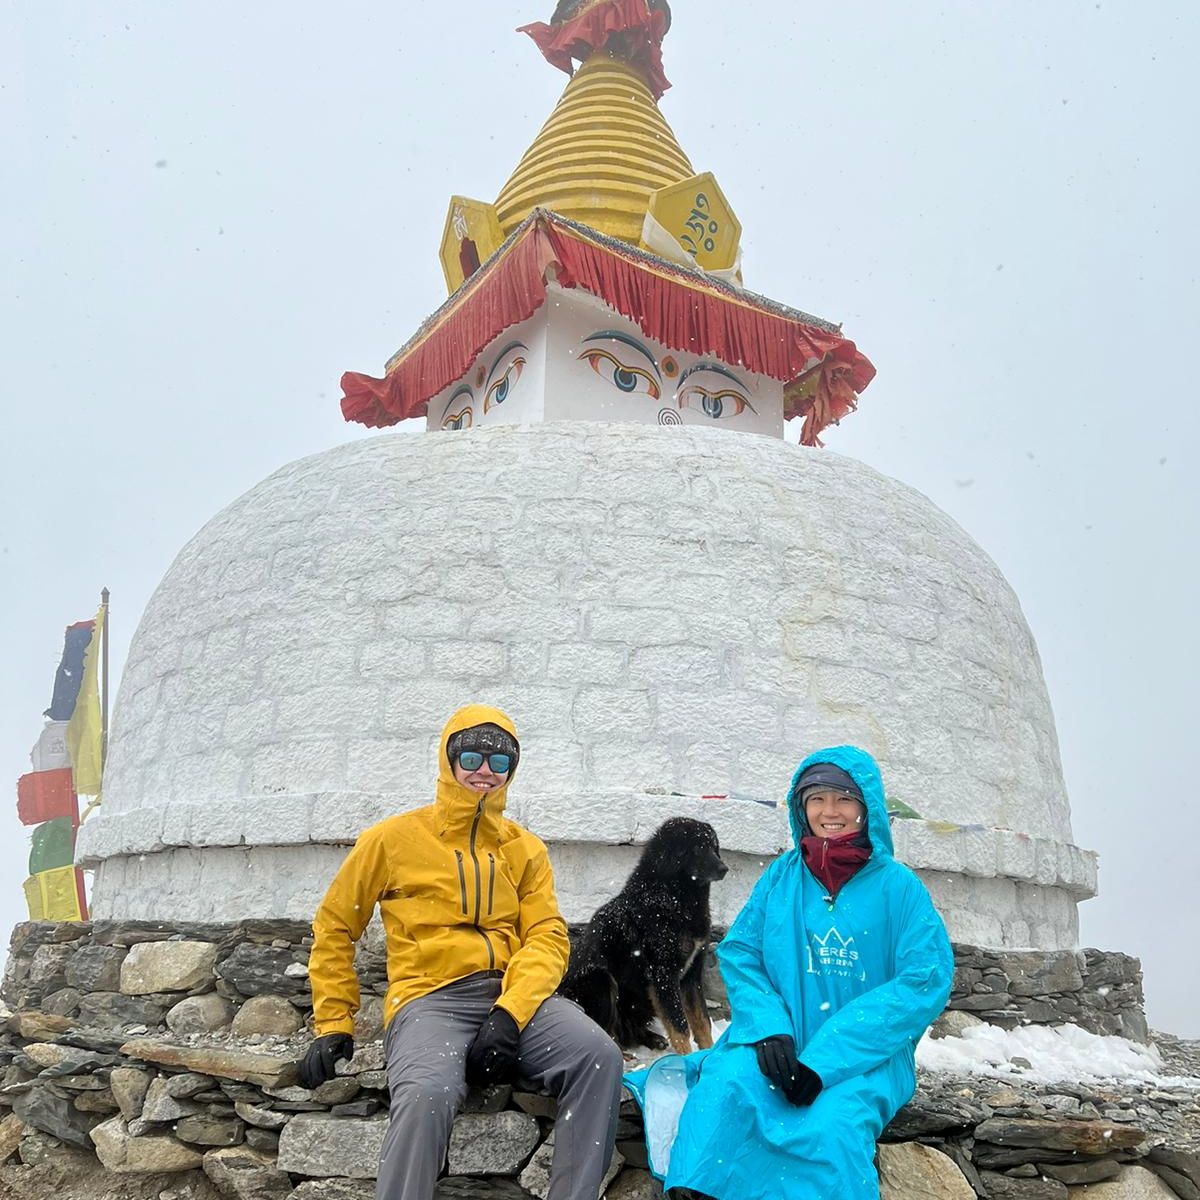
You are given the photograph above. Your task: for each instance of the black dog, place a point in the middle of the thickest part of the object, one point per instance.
(642, 953)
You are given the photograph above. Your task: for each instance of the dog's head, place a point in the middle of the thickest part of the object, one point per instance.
(685, 851)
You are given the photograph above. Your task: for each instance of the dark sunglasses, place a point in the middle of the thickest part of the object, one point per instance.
(472, 760)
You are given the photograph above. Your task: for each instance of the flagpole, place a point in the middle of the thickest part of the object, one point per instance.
(104, 679)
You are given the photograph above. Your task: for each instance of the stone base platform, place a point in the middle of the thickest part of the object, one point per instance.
(139, 1056)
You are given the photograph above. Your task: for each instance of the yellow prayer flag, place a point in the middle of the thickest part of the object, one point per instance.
(53, 895)
(84, 732)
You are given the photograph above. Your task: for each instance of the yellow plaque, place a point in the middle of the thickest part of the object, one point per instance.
(472, 235)
(697, 215)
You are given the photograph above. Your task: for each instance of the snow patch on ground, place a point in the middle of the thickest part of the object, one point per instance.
(1052, 1053)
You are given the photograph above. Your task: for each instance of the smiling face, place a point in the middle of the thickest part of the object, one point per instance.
(831, 813)
(483, 779)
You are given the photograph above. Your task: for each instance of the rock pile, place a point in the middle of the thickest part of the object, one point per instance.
(143, 1057)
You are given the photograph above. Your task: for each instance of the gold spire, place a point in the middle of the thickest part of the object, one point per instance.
(604, 151)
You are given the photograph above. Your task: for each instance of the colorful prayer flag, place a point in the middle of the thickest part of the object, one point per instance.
(50, 750)
(45, 796)
(85, 730)
(53, 846)
(70, 671)
(54, 895)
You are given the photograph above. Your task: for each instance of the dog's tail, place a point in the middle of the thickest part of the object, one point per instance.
(595, 991)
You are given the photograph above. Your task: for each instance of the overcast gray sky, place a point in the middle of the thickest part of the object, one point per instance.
(210, 211)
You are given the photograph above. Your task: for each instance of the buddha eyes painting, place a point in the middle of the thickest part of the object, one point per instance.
(631, 366)
(493, 386)
(623, 361)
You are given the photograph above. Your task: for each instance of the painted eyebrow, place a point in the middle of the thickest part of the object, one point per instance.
(507, 350)
(459, 392)
(614, 335)
(717, 369)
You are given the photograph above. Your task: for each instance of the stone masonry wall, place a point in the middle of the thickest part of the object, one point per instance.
(169, 1054)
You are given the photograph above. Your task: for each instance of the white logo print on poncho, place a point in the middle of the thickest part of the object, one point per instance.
(833, 954)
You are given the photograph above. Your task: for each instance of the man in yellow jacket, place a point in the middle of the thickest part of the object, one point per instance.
(475, 948)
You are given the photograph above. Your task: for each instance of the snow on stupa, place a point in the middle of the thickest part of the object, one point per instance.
(603, 532)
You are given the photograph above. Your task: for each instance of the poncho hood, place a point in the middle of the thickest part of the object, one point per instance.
(863, 769)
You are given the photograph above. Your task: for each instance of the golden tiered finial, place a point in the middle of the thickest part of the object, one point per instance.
(605, 150)
(606, 157)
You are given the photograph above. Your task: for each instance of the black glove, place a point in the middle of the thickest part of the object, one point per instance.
(778, 1062)
(319, 1064)
(492, 1057)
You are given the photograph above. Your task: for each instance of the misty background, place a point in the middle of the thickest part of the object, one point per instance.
(211, 211)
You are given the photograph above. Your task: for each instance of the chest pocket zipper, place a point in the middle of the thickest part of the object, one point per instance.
(462, 881)
(491, 881)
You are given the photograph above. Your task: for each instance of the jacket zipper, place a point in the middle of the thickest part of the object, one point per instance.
(487, 941)
(462, 881)
(475, 857)
(491, 881)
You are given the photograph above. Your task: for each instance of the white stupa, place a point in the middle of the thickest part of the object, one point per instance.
(604, 533)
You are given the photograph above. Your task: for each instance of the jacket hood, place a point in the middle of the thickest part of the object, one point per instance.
(863, 769)
(457, 804)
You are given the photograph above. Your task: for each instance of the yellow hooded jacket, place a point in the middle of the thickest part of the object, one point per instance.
(461, 889)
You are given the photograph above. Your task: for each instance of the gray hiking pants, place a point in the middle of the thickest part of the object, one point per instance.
(561, 1050)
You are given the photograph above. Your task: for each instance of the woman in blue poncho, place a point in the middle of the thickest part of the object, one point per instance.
(834, 968)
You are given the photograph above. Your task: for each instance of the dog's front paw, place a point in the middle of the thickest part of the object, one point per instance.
(652, 1040)
(680, 1042)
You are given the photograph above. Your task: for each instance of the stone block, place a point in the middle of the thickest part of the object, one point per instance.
(124, 1154)
(96, 968)
(536, 1176)
(319, 1145)
(41, 1109)
(1037, 973)
(262, 1139)
(912, 1171)
(492, 1143)
(634, 1184)
(1009, 1187)
(266, 1014)
(953, 1023)
(1096, 1138)
(262, 1070)
(209, 1129)
(340, 1189)
(11, 1129)
(167, 967)
(199, 1014)
(160, 1105)
(63, 1003)
(243, 1173)
(189, 1085)
(129, 1087)
(261, 1116)
(47, 969)
(1074, 1174)
(261, 970)
(604, 816)
(112, 1010)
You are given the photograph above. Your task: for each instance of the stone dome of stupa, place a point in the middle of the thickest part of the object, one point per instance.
(672, 617)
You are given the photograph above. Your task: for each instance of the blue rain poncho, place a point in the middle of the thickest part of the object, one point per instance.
(855, 981)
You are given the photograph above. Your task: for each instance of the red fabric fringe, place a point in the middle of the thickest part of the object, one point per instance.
(628, 27)
(821, 370)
